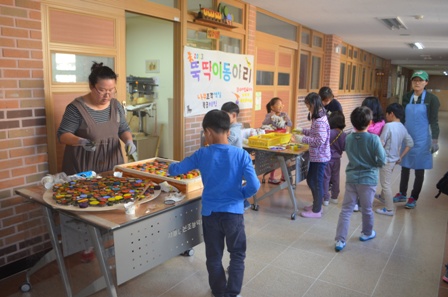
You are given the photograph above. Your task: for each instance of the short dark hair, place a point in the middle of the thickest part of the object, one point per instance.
(230, 107)
(397, 109)
(314, 100)
(361, 117)
(325, 92)
(99, 71)
(337, 120)
(217, 120)
(374, 104)
(272, 102)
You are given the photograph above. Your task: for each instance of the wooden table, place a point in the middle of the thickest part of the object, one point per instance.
(156, 233)
(266, 160)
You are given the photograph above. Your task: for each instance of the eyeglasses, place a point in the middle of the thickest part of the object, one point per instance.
(111, 92)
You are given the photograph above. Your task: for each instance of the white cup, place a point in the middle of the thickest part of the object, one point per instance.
(129, 208)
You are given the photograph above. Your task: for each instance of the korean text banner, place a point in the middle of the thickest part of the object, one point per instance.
(213, 78)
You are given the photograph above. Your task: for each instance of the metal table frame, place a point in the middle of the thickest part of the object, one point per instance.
(158, 236)
(266, 160)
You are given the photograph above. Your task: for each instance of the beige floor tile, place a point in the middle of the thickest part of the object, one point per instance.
(320, 288)
(392, 285)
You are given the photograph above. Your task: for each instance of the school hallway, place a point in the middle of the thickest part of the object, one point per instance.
(297, 258)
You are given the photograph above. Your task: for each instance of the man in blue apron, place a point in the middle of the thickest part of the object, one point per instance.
(421, 121)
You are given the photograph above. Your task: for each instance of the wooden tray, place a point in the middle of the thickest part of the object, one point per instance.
(183, 185)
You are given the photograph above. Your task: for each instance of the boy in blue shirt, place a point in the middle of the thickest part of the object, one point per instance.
(222, 168)
(365, 155)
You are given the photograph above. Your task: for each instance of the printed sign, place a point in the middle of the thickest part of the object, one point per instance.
(213, 78)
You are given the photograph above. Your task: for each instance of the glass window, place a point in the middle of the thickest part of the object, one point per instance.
(344, 50)
(363, 78)
(355, 54)
(273, 26)
(317, 41)
(347, 81)
(353, 78)
(315, 73)
(305, 38)
(193, 5)
(303, 74)
(341, 76)
(74, 68)
(235, 12)
(350, 53)
(229, 44)
(198, 39)
(283, 79)
(265, 78)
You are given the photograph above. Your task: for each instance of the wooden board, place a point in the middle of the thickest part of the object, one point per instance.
(183, 185)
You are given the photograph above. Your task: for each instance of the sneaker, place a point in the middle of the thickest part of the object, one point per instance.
(326, 202)
(340, 245)
(384, 211)
(399, 198)
(411, 203)
(379, 198)
(335, 201)
(247, 205)
(445, 277)
(274, 181)
(356, 208)
(311, 214)
(364, 237)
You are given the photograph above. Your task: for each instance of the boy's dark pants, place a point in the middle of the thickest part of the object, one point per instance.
(217, 227)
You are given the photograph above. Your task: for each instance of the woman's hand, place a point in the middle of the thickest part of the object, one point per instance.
(87, 144)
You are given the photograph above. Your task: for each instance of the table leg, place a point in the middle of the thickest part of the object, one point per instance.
(95, 236)
(57, 250)
(285, 172)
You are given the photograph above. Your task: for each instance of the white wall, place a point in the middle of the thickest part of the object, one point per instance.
(149, 38)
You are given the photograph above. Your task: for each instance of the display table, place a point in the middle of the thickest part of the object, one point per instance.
(151, 236)
(266, 160)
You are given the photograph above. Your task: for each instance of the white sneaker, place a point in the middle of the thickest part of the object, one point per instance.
(335, 201)
(356, 208)
(339, 246)
(384, 211)
(364, 237)
(325, 203)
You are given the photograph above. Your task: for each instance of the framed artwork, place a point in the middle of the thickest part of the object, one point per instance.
(152, 66)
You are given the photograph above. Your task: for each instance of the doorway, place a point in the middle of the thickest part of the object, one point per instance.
(149, 83)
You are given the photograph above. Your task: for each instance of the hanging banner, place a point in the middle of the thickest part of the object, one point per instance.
(213, 78)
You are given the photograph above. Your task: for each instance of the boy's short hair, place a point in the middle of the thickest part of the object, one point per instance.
(361, 117)
(397, 109)
(337, 120)
(217, 120)
(231, 107)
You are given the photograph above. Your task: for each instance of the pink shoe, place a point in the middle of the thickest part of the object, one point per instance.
(308, 208)
(310, 214)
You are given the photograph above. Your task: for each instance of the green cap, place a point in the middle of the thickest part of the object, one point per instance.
(420, 73)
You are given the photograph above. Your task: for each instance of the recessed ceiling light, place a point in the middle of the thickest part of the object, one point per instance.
(416, 45)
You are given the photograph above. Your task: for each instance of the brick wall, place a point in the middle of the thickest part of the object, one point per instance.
(23, 141)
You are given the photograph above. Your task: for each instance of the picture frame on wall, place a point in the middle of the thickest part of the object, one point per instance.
(152, 66)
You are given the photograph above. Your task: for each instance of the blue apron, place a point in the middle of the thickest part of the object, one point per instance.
(417, 124)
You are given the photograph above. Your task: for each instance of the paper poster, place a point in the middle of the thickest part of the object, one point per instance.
(213, 78)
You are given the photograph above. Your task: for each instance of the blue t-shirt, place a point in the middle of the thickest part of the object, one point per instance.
(222, 168)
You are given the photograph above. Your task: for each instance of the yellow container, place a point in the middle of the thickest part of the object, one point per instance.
(270, 139)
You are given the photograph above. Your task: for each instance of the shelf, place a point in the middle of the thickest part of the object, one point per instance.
(214, 24)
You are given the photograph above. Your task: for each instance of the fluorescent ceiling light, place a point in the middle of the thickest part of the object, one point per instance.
(393, 23)
(416, 45)
(444, 72)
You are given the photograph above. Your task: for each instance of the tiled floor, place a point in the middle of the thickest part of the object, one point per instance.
(297, 258)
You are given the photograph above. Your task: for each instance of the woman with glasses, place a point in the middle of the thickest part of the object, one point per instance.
(93, 125)
(422, 123)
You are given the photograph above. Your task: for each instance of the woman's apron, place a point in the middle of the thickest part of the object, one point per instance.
(417, 124)
(105, 135)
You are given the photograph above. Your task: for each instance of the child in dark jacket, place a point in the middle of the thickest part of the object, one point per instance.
(337, 147)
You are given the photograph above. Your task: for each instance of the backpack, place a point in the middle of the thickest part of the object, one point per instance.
(442, 185)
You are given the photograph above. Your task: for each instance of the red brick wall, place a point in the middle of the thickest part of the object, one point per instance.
(23, 141)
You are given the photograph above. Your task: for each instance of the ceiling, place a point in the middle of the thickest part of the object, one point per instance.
(356, 22)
